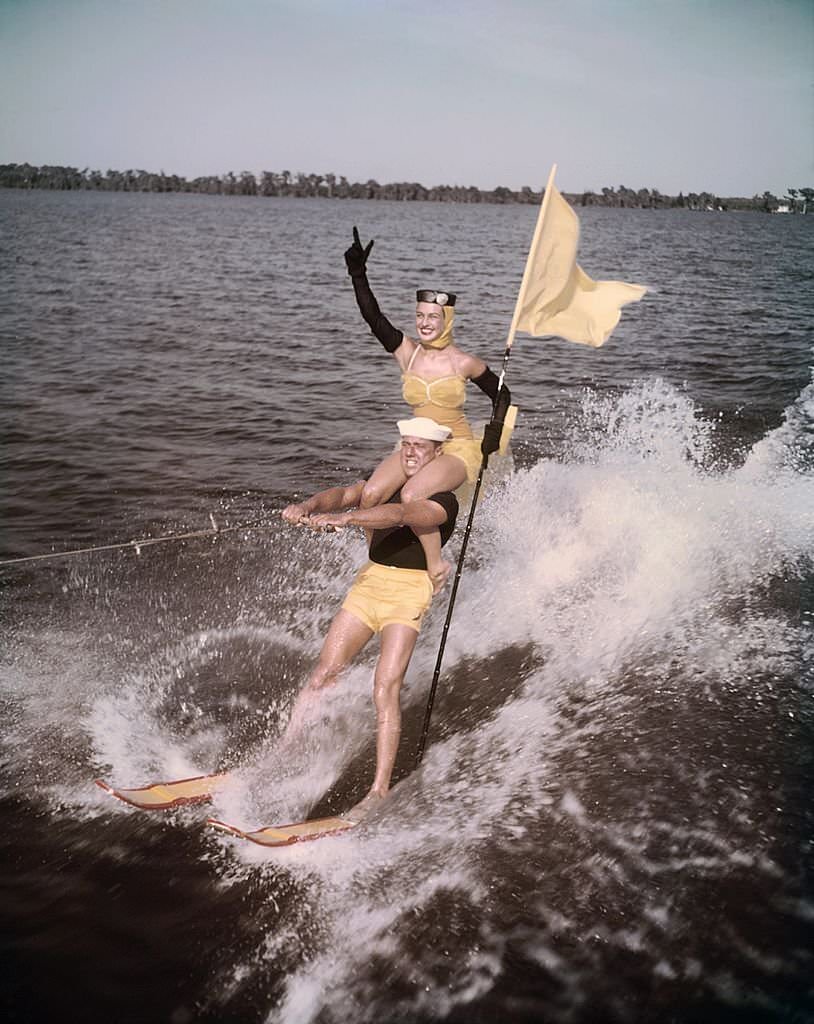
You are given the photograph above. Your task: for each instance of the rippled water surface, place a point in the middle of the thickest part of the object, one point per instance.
(613, 820)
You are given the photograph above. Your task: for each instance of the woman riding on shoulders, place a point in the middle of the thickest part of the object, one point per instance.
(434, 375)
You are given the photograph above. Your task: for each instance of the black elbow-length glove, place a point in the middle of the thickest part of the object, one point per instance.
(356, 262)
(489, 383)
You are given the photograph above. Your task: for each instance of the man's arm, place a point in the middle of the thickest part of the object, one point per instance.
(331, 500)
(423, 513)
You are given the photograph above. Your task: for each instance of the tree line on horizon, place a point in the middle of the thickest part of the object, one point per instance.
(331, 186)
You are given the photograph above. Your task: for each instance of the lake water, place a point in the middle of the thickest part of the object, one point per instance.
(613, 819)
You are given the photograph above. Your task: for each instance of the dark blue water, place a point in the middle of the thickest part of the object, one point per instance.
(613, 820)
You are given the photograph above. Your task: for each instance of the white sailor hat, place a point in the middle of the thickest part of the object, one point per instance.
(424, 427)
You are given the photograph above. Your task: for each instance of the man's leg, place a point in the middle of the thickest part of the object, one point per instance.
(345, 639)
(398, 642)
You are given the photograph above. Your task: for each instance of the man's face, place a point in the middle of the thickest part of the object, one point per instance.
(416, 452)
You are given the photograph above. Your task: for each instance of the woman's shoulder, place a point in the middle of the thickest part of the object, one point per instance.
(405, 352)
(465, 363)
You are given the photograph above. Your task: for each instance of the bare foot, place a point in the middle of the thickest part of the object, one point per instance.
(440, 575)
(372, 802)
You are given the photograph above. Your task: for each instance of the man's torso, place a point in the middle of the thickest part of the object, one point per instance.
(398, 545)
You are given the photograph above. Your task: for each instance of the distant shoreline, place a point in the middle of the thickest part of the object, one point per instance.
(331, 186)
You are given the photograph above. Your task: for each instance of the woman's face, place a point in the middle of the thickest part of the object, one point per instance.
(429, 321)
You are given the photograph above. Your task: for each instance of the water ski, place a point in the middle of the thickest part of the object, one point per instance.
(160, 796)
(284, 835)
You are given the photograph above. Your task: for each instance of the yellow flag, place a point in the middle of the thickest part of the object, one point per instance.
(557, 296)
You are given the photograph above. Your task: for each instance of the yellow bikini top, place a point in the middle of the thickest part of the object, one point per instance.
(443, 392)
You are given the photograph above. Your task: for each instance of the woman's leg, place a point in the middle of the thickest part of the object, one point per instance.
(437, 567)
(384, 481)
(445, 473)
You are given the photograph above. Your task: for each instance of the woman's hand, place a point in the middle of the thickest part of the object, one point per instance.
(356, 256)
(491, 438)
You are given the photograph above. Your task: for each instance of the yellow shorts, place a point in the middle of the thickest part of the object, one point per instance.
(383, 594)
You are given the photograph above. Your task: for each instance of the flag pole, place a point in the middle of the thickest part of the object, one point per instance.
(535, 241)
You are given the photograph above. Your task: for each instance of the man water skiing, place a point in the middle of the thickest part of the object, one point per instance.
(390, 595)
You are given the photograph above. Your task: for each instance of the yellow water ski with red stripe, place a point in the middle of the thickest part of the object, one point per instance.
(161, 796)
(285, 835)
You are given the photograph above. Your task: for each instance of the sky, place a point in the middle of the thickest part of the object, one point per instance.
(678, 95)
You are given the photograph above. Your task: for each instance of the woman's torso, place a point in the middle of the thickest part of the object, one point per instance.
(440, 398)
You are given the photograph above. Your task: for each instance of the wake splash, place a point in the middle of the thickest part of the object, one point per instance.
(607, 792)
(611, 817)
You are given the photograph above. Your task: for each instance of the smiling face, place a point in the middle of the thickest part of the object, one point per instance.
(429, 322)
(416, 452)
